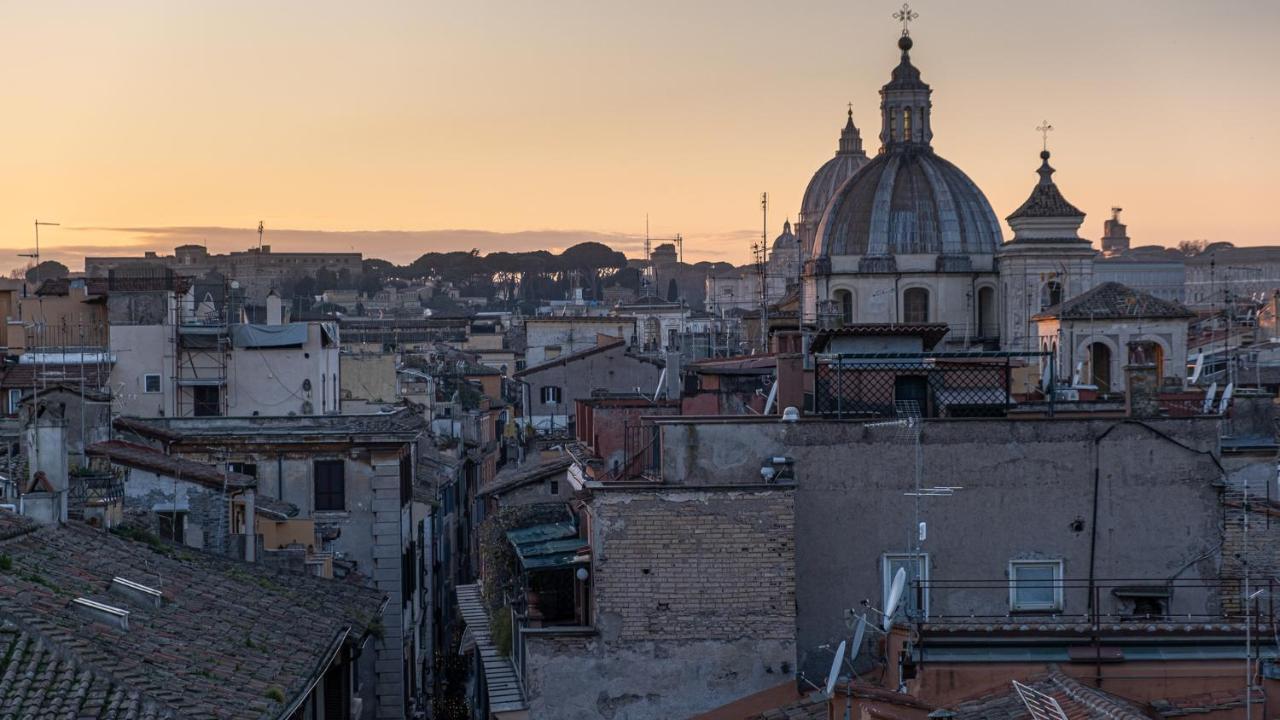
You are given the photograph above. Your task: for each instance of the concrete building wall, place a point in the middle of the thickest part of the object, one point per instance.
(694, 594)
(284, 381)
(142, 350)
(612, 370)
(367, 381)
(1028, 493)
(549, 338)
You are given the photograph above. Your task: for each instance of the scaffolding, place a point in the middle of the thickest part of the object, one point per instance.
(202, 352)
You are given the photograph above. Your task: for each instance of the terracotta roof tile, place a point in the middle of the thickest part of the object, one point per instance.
(227, 635)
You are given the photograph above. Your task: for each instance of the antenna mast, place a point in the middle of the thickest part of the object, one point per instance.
(761, 259)
(260, 229)
(36, 255)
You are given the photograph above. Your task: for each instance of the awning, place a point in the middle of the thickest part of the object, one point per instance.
(270, 336)
(539, 533)
(546, 552)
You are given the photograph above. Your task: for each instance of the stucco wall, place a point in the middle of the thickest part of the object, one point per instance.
(1027, 494)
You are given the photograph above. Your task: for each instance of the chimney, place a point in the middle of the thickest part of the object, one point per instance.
(275, 309)
(1142, 391)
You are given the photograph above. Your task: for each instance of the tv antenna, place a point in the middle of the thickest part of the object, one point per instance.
(36, 255)
(1039, 705)
(261, 227)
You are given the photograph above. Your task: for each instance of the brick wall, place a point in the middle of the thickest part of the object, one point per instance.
(695, 607)
(696, 565)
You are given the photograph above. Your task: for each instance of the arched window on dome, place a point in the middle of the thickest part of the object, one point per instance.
(844, 301)
(915, 305)
(1050, 294)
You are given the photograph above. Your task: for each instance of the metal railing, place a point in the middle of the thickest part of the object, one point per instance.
(1095, 604)
(948, 385)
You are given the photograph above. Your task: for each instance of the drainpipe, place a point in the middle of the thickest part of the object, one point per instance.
(250, 532)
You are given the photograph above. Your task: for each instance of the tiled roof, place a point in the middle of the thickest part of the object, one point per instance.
(229, 639)
(514, 476)
(1078, 701)
(813, 707)
(402, 425)
(573, 357)
(1114, 301)
(28, 375)
(1045, 199)
(145, 458)
(930, 333)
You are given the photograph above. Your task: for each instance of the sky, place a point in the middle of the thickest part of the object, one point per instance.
(398, 128)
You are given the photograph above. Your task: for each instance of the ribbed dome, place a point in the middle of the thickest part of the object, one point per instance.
(824, 183)
(908, 201)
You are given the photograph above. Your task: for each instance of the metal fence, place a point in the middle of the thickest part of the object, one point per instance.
(977, 384)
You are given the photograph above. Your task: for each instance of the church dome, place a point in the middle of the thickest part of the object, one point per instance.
(835, 172)
(908, 200)
(786, 241)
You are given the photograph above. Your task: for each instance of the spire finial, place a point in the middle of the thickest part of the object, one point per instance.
(905, 16)
(851, 112)
(1044, 129)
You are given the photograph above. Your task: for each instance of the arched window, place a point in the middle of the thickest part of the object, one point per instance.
(906, 125)
(987, 325)
(1050, 294)
(1100, 366)
(844, 301)
(915, 305)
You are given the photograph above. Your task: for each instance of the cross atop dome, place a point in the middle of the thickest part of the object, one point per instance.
(905, 16)
(1044, 129)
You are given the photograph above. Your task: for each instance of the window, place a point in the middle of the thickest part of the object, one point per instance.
(845, 300)
(906, 124)
(15, 400)
(550, 395)
(915, 595)
(1035, 585)
(551, 352)
(207, 401)
(554, 487)
(151, 383)
(244, 468)
(330, 486)
(915, 305)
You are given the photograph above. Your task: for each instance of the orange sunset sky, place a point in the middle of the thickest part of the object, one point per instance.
(398, 128)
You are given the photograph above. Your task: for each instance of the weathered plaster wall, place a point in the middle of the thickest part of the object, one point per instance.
(1028, 490)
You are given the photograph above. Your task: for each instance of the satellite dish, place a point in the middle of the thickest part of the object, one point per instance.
(895, 597)
(835, 669)
(1195, 372)
(1208, 399)
(1226, 399)
(857, 638)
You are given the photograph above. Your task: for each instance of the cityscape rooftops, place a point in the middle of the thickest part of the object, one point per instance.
(227, 634)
